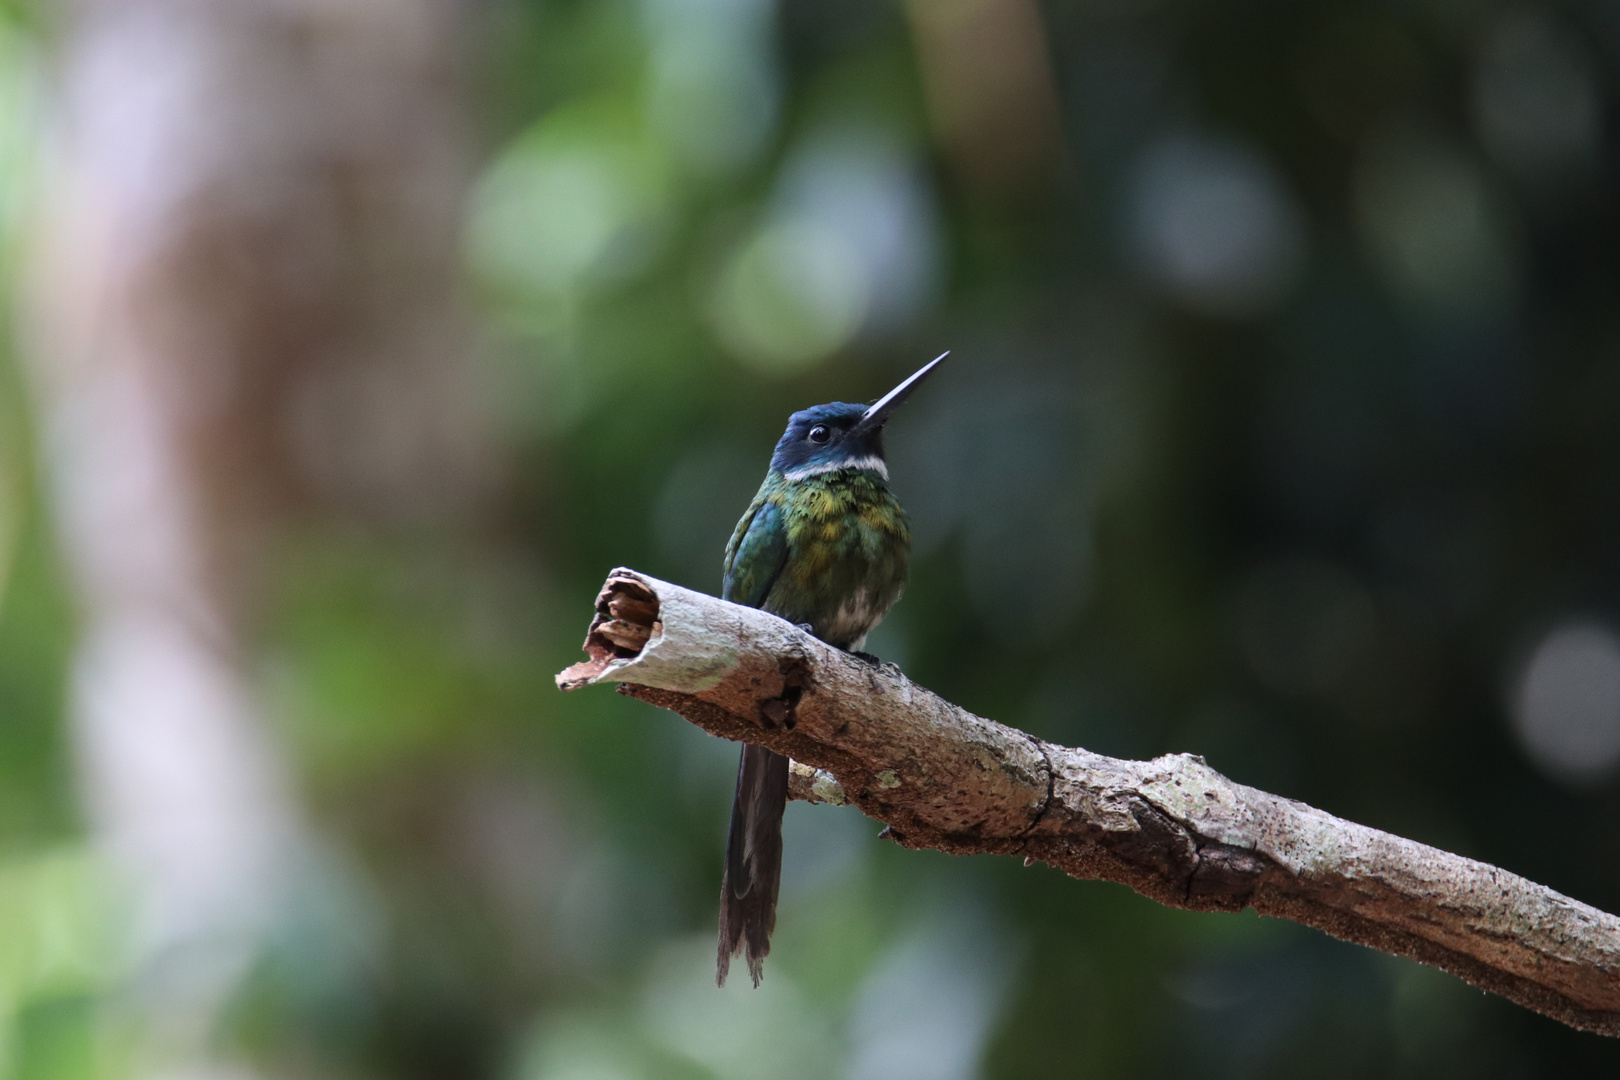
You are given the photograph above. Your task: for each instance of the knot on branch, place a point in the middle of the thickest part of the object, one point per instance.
(1226, 873)
(1183, 867)
(782, 711)
(1158, 842)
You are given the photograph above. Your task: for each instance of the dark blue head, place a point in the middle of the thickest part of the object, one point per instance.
(827, 437)
(840, 435)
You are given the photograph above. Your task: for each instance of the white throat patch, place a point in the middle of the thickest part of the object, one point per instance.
(871, 462)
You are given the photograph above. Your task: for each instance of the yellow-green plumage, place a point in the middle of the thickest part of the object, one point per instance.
(830, 550)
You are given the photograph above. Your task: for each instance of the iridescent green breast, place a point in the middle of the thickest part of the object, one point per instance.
(831, 550)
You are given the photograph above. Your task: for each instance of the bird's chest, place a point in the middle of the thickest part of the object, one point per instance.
(848, 548)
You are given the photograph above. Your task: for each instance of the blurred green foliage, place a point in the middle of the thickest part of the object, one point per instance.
(1282, 427)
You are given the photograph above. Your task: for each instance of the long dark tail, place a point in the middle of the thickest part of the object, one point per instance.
(753, 873)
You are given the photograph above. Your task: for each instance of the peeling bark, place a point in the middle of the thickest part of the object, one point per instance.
(1172, 828)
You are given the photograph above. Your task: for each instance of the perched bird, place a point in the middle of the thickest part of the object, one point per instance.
(825, 545)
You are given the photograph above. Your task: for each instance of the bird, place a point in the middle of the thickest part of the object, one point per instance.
(825, 545)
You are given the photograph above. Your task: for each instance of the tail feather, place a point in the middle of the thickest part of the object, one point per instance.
(753, 871)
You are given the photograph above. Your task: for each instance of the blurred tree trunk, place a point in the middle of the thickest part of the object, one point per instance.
(991, 96)
(241, 308)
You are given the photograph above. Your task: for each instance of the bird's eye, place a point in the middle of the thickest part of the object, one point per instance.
(820, 434)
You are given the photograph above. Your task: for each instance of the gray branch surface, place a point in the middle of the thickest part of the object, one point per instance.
(1172, 828)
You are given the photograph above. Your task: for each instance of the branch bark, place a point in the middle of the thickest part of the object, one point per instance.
(1173, 829)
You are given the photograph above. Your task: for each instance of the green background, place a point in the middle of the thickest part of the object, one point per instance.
(1282, 426)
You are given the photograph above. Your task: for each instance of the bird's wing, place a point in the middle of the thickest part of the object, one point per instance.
(756, 554)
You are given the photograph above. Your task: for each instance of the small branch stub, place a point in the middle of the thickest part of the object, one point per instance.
(1172, 828)
(814, 785)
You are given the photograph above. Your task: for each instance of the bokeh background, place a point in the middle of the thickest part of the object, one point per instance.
(349, 343)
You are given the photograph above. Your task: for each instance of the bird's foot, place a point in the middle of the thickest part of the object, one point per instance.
(887, 667)
(808, 628)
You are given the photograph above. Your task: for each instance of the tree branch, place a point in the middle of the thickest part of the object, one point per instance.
(1173, 828)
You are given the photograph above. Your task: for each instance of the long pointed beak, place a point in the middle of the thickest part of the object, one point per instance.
(879, 414)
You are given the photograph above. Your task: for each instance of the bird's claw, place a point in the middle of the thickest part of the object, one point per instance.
(888, 667)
